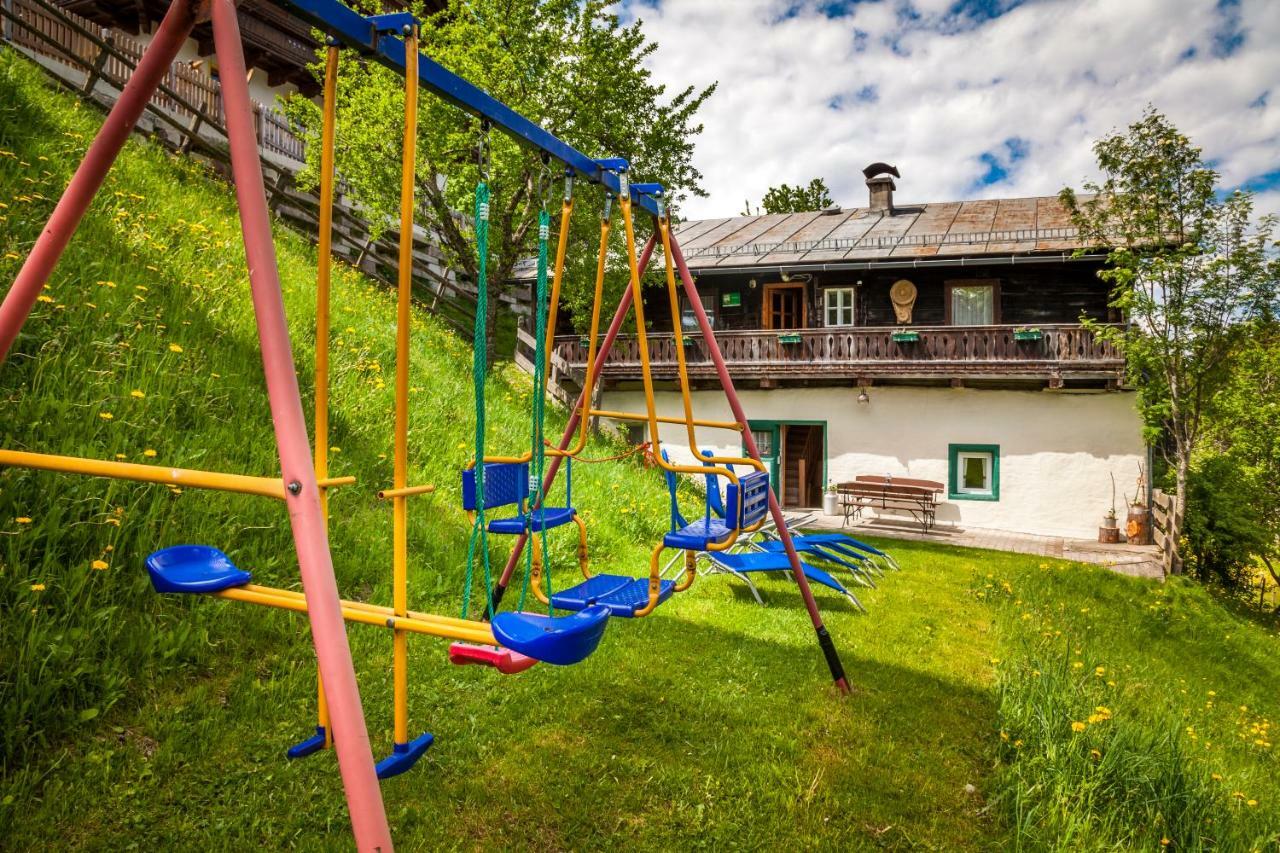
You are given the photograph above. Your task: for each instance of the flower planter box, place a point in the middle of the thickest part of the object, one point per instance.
(906, 337)
(1028, 335)
(790, 339)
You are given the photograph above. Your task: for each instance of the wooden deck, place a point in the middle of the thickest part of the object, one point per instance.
(1063, 352)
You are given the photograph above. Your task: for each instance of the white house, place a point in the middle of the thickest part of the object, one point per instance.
(937, 341)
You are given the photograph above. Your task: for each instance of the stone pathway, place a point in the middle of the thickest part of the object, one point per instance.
(1137, 560)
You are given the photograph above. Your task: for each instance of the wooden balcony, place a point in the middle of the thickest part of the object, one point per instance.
(1062, 355)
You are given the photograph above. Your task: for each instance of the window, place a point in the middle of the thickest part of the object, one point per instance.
(689, 320)
(839, 302)
(974, 471)
(764, 442)
(973, 303)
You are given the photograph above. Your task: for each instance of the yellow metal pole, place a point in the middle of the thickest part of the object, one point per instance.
(406, 492)
(323, 282)
(400, 478)
(268, 487)
(642, 341)
(664, 419)
(415, 623)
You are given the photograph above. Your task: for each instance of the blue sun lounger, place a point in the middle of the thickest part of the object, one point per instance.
(857, 565)
(741, 564)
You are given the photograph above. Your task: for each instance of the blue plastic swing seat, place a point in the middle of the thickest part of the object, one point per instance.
(751, 509)
(622, 595)
(194, 569)
(546, 519)
(560, 640)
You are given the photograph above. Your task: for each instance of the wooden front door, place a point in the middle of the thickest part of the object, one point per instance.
(784, 307)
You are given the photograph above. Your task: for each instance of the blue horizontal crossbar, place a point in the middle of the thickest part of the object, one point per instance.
(350, 28)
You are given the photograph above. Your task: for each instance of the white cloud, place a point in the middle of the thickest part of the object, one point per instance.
(932, 91)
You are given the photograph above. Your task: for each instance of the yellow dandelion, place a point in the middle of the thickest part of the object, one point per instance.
(44, 297)
(1217, 777)
(137, 394)
(1099, 671)
(149, 453)
(99, 564)
(37, 587)
(1095, 754)
(1251, 803)
(106, 416)
(174, 348)
(1078, 726)
(119, 455)
(22, 519)
(1004, 736)
(1165, 842)
(1077, 665)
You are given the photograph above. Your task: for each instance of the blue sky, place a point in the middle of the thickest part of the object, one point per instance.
(969, 98)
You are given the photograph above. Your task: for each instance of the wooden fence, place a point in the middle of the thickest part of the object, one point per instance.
(1161, 511)
(186, 115)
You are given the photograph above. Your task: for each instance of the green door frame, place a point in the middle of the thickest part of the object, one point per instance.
(772, 462)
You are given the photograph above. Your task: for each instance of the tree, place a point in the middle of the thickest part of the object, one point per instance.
(1188, 270)
(569, 66)
(1235, 473)
(788, 199)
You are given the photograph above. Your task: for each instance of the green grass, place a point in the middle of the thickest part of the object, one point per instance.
(134, 720)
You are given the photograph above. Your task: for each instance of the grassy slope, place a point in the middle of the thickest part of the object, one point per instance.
(707, 724)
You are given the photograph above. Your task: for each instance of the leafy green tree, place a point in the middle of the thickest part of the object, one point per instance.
(1188, 269)
(570, 66)
(788, 199)
(1234, 517)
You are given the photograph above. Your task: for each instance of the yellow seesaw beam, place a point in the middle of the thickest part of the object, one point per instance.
(445, 627)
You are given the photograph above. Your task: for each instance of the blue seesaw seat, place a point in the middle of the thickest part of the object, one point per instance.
(561, 640)
(194, 569)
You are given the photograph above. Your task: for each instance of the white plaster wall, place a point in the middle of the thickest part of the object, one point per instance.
(1057, 449)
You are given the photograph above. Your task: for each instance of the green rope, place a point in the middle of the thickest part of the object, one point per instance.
(479, 369)
(536, 436)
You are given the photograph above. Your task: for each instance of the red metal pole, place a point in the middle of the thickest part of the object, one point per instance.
(735, 405)
(351, 739)
(624, 305)
(106, 146)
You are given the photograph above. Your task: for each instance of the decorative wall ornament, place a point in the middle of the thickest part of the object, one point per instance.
(903, 297)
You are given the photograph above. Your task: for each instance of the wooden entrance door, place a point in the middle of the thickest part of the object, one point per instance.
(784, 307)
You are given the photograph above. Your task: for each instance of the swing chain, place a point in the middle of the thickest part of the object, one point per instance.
(544, 182)
(484, 152)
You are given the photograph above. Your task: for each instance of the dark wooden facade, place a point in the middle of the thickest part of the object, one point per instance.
(1036, 339)
(1028, 295)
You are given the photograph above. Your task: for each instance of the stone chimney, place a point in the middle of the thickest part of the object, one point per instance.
(881, 185)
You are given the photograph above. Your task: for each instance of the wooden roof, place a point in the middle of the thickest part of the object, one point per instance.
(978, 228)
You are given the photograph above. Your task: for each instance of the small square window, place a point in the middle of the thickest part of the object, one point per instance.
(974, 472)
(839, 305)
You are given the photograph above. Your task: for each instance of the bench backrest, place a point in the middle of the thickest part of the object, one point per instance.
(504, 483)
(882, 480)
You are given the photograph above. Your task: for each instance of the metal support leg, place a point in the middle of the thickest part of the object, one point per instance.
(351, 738)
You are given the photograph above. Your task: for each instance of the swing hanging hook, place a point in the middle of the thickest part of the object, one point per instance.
(544, 181)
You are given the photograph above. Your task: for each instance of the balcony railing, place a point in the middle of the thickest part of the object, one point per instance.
(1047, 351)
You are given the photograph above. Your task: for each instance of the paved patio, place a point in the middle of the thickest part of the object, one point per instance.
(1136, 560)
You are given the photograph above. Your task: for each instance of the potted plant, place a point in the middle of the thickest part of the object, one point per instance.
(1024, 334)
(830, 500)
(905, 336)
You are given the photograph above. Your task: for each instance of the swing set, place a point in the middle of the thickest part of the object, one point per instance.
(510, 641)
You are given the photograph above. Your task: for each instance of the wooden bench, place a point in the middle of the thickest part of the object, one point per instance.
(871, 491)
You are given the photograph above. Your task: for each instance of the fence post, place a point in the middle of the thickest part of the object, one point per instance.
(95, 73)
